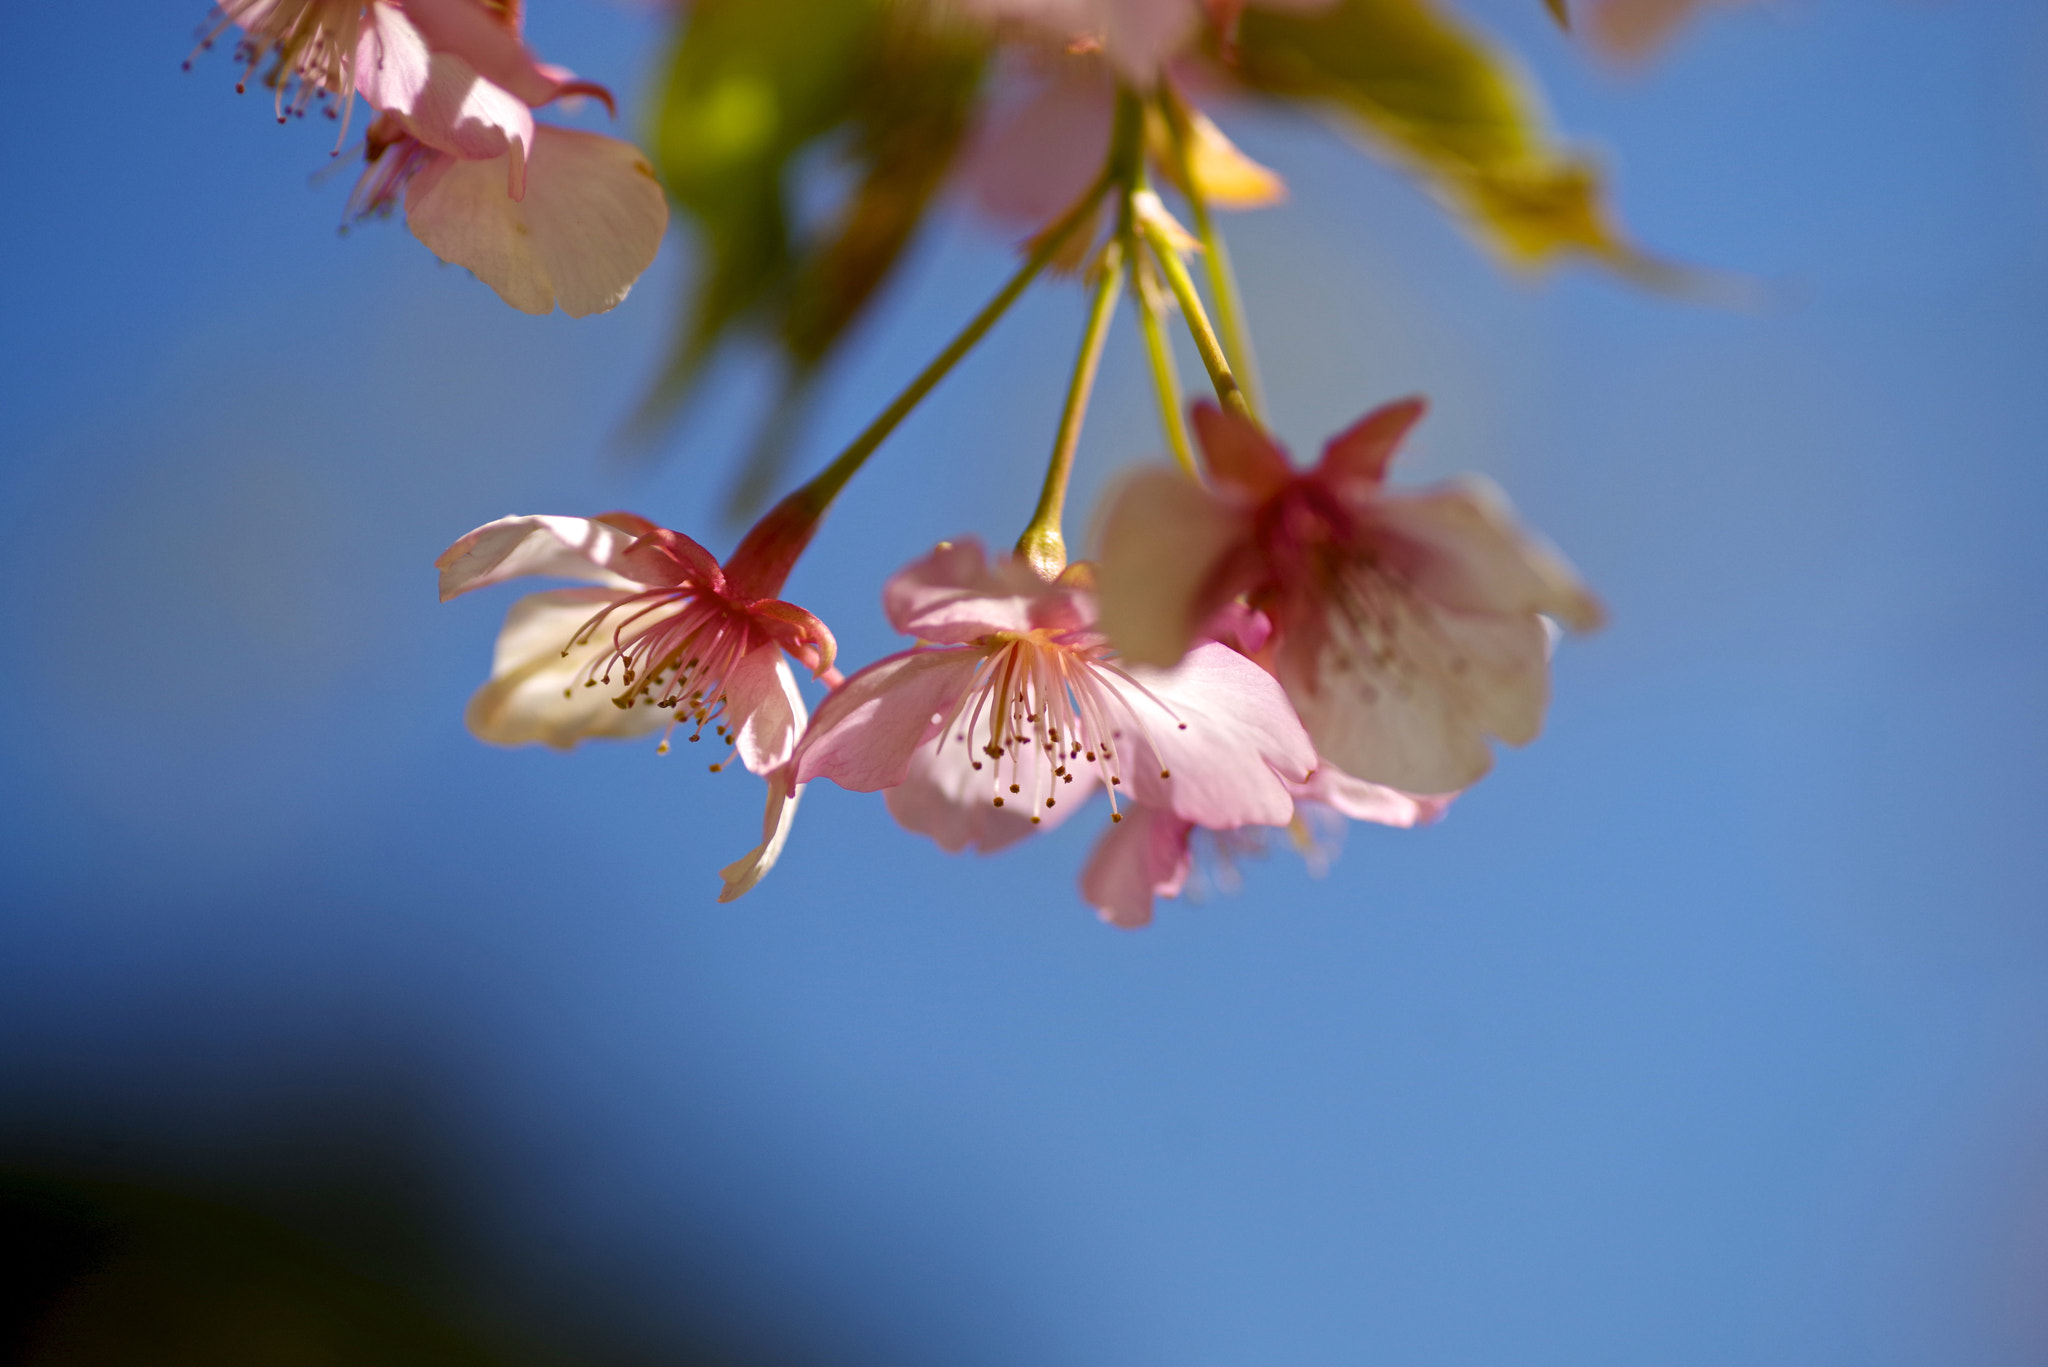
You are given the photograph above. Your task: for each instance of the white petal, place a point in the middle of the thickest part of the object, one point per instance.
(591, 221)
(524, 702)
(559, 547)
(1406, 695)
(776, 820)
(1161, 541)
(763, 710)
(1460, 545)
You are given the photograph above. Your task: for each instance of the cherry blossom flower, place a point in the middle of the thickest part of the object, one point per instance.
(1409, 626)
(1015, 711)
(542, 215)
(666, 636)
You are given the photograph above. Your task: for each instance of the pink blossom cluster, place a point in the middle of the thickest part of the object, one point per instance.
(544, 215)
(1252, 647)
(1255, 649)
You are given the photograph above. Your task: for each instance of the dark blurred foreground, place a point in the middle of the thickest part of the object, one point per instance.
(323, 1241)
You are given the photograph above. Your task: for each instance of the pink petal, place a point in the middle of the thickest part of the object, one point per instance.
(1040, 156)
(1223, 730)
(868, 729)
(523, 703)
(1361, 451)
(441, 98)
(1138, 36)
(944, 797)
(954, 595)
(1141, 857)
(764, 712)
(591, 221)
(1236, 452)
(469, 31)
(776, 820)
(1362, 801)
(392, 61)
(1162, 539)
(560, 547)
(1460, 546)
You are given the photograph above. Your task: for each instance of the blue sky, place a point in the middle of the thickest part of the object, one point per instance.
(1710, 1029)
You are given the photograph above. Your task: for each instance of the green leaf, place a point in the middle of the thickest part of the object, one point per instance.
(752, 83)
(875, 94)
(1438, 100)
(916, 100)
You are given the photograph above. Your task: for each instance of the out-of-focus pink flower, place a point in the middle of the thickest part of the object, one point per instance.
(1035, 154)
(1408, 625)
(1016, 711)
(1138, 37)
(542, 215)
(1632, 30)
(1150, 854)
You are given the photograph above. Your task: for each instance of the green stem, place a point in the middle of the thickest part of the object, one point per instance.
(1042, 544)
(1215, 255)
(826, 484)
(1228, 391)
(1165, 377)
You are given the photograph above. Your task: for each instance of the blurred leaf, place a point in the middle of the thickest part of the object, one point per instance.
(1559, 12)
(1446, 105)
(756, 86)
(916, 98)
(751, 84)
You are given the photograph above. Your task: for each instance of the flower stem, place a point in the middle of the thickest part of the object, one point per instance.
(826, 484)
(1223, 288)
(1042, 544)
(1165, 376)
(1228, 392)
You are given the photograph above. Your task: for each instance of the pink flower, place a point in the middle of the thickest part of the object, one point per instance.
(668, 636)
(1037, 152)
(1409, 626)
(1017, 711)
(1137, 36)
(542, 215)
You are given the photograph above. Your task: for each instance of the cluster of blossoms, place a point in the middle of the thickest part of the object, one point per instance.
(1252, 646)
(1247, 649)
(544, 215)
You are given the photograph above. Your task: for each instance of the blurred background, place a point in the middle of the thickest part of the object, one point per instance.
(1711, 1029)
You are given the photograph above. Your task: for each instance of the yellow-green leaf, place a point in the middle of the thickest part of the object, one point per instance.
(1438, 100)
(751, 84)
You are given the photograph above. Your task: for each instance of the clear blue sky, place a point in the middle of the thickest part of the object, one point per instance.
(1709, 1030)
